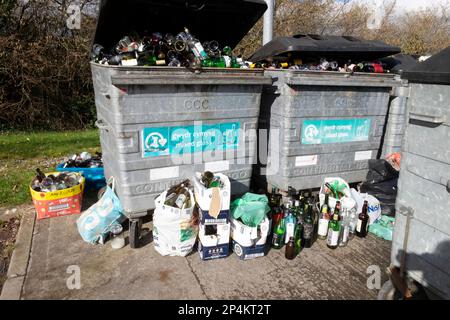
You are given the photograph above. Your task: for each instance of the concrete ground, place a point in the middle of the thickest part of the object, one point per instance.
(317, 273)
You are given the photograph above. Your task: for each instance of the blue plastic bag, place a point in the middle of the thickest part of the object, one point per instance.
(96, 222)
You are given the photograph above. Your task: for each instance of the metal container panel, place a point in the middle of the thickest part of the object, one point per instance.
(396, 120)
(298, 97)
(424, 190)
(130, 99)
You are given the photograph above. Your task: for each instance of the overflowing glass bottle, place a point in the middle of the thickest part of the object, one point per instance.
(297, 223)
(157, 49)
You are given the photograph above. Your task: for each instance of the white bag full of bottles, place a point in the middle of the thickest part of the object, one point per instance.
(174, 233)
(214, 218)
(346, 202)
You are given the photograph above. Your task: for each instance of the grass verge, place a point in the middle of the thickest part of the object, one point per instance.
(22, 152)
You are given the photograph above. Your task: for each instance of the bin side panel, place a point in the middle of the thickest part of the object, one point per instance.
(423, 190)
(294, 109)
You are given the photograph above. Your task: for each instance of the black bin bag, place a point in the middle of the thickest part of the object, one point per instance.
(381, 182)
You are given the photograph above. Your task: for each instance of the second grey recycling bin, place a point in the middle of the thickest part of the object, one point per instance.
(329, 123)
(421, 239)
(148, 114)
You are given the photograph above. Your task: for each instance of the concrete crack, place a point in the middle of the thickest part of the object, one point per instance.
(197, 279)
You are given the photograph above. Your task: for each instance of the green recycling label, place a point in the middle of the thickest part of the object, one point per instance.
(335, 130)
(162, 141)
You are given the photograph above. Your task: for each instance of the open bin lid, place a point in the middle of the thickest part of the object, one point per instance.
(435, 70)
(333, 47)
(224, 21)
(399, 63)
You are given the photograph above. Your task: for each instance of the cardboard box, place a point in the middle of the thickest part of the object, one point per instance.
(216, 252)
(213, 203)
(248, 253)
(214, 241)
(58, 203)
(248, 242)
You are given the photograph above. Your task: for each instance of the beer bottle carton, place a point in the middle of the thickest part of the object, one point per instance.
(214, 203)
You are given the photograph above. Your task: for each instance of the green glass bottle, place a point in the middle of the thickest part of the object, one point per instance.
(219, 62)
(334, 229)
(296, 208)
(227, 51)
(207, 63)
(278, 234)
(149, 60)
(302, 210)
(308, 228)
(298, 235)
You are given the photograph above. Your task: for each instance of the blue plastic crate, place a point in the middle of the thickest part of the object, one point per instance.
(95, 177)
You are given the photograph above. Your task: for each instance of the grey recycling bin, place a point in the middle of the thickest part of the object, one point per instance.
(146, 115)
(329, 123)
(421, 239)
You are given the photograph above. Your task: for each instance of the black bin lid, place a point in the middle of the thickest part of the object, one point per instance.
(399, 63)
(333, 47)
(435, 70)
(224, 21)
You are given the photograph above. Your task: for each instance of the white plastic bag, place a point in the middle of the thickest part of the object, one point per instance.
(174, 233)
(346, 201)
(374, 207)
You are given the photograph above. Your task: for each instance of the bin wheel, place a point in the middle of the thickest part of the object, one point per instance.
(135, 231)
(101, 192)
(388, 292)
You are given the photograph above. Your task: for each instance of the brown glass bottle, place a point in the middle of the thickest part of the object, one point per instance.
(363, 222)
(290, 249)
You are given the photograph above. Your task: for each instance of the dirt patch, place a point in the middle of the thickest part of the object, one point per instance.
(164, 275)
(8, 233)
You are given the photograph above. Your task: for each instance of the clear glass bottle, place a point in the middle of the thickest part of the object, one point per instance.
(353, 222)
(324, 220)
(118, 240)
(345, 228)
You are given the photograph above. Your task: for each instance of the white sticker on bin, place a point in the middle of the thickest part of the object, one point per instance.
(164, 173)
(306, 161)
(217, 166)
(363, 155)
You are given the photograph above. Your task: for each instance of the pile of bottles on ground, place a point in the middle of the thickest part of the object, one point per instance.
(298, 223)
(84, 160)
(55, 182)
(156, 49)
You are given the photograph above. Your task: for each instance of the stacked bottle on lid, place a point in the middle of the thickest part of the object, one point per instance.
(297, 224)
(322, 64)
(181, 50)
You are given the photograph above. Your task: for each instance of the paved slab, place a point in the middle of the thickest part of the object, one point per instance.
(18, 263)
(317, 273)
(104, 273)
